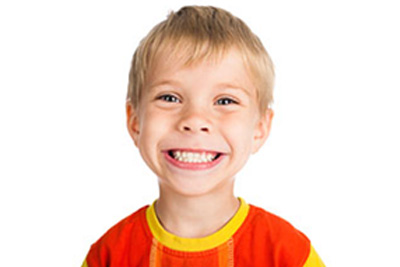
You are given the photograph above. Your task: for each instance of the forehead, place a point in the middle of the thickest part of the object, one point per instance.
(227, 68)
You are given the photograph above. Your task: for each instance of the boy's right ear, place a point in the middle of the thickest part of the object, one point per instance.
(132, 122)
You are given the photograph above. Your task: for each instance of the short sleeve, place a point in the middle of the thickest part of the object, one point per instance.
(313, 259)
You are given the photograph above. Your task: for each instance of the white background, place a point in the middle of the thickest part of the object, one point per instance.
(69, 170)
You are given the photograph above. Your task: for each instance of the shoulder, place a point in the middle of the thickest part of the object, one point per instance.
(275, 237)
(119, 235)
(128, 237)
(278, 229)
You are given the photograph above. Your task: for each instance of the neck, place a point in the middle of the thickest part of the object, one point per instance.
(195, 216)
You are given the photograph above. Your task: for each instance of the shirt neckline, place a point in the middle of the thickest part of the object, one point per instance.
(196, 244)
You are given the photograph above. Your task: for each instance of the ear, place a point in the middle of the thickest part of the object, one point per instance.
(132, 122)
(262, 129)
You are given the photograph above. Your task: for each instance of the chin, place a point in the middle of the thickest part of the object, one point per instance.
(195, 187)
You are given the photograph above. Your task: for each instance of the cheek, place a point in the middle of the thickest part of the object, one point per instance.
(153, 122)
(153, 129)
(240, 132)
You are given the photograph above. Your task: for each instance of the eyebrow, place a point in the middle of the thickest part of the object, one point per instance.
(163, 82)
(233, 86)
(223, 85)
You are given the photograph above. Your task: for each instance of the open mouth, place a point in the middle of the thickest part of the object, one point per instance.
(193, 157)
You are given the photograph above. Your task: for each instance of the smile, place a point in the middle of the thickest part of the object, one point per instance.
(194, 160)
(193, 157)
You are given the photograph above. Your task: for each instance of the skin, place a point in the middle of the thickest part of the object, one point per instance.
(208, 106)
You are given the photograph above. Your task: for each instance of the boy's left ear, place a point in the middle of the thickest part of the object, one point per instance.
(262, 129)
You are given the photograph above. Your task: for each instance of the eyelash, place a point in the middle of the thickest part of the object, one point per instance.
(164, 98)
(231, 101)
(167, 98)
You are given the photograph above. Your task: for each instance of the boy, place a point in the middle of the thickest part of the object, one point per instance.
(198, 105)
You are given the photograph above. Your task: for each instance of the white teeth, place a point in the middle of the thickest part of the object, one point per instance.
(192, 157)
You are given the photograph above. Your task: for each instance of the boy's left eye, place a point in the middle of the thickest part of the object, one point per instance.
(226, 101)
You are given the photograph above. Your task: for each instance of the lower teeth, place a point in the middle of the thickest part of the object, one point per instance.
(193, 160)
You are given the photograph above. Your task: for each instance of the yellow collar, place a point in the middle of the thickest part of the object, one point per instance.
(196, 244)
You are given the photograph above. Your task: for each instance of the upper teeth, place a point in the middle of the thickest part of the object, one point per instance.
(193, 157)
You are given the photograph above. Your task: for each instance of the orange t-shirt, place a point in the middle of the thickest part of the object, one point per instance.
(253, 237)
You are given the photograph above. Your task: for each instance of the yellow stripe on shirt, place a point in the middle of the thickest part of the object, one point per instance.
(196, 244)
(313, 259)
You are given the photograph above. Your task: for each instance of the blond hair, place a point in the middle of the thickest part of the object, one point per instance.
(196, 33)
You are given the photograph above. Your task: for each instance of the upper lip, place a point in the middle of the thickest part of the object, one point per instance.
(195, 150)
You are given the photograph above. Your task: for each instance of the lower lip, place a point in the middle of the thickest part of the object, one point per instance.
(192, 165)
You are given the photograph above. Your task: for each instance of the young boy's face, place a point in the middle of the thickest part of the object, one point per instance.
(196, 126)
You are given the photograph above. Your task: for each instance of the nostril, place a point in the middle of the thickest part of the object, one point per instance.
(194, 128)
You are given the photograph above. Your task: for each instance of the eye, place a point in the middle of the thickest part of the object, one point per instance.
(168, 98)
(226, 101)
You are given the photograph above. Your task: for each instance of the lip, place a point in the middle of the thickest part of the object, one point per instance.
(193, 165)
(194, 150)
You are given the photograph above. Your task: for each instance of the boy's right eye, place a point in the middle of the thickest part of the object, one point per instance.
(168, 98)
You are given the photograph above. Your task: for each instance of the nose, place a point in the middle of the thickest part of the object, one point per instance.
(195, 122)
